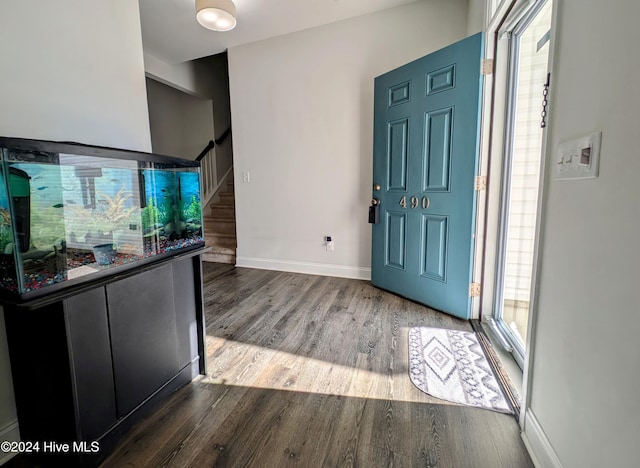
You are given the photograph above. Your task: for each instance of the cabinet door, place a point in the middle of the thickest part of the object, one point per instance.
(42, 382)
(91, 365)
(184, 281)
(144, 339)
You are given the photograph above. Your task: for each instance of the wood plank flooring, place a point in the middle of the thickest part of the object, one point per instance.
(310, 371)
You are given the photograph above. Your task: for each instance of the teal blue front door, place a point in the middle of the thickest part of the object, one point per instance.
(426, 131)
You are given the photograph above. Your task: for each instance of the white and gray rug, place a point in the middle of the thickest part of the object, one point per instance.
(450, 364)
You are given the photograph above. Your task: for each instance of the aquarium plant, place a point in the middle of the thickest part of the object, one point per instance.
(150, 217)
(6, 238)
(110, 215)
(194, 210)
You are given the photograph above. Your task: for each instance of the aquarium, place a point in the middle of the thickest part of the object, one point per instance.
(71, 213)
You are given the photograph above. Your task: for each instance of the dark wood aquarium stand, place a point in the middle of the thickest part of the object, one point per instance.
(88, 363)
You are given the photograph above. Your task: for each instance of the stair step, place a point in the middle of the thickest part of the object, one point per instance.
(219, 258)
(223, 240)
(214, 220)
(213, 226)
(226, 199)
(223, 237)
(217, 220)
(220, 227)
(221, 249)
(223, 211)
(226, 196)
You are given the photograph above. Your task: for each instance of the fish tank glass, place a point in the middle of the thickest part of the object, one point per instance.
(72, 213)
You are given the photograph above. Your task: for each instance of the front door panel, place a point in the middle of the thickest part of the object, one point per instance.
(396, 251)
(398, 139)
(434, 245)
(437, 152)
(426, 128)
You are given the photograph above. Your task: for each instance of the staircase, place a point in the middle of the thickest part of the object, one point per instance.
(220, 227)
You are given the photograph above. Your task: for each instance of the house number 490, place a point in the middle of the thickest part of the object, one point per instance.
(414, 202)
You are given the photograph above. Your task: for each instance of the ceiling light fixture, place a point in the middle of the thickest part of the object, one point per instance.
(217, 15)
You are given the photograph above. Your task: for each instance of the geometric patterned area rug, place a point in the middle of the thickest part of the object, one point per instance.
(450, 364)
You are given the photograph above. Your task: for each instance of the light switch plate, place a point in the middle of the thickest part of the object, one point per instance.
(579, 158)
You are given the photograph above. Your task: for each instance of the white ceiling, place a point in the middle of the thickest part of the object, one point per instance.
(170, 31)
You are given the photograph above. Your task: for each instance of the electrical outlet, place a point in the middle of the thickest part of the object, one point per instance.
(328, 240)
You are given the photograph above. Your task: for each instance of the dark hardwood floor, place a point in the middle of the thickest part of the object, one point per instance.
(311, 371)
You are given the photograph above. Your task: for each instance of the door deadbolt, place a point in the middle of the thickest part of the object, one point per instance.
(374, 211)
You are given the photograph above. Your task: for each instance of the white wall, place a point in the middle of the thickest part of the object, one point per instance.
(302, 112)
(71, 70)
(475, 16)
(585, 381)
(181, 124)
(182, 76)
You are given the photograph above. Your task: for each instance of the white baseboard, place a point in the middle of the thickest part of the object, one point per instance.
(322, 269)
(10, 433)
(537, 443)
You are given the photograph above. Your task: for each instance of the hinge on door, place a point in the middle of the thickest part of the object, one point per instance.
(481, 182)
(486, 67)
(474, 289)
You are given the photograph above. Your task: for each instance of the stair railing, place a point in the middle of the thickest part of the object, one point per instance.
(208, 168)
